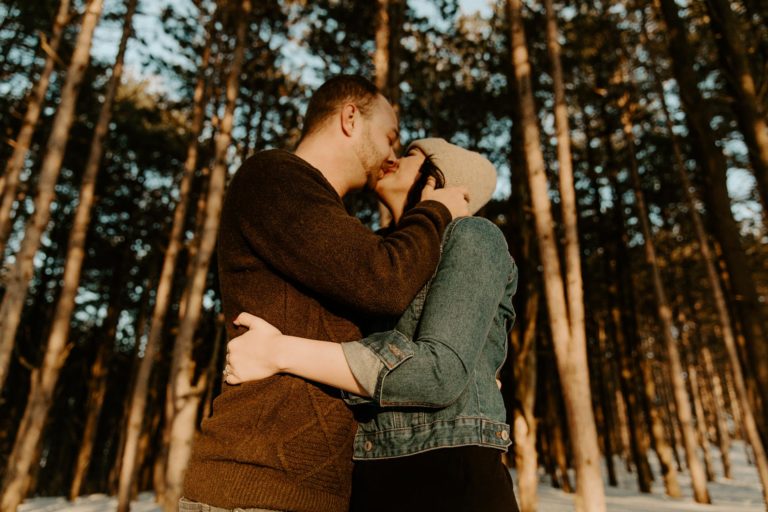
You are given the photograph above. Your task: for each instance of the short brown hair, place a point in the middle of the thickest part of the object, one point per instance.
(335, 92)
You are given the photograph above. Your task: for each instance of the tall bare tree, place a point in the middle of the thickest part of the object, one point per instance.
(97, 387)
(742, 402)
(23, 141)
(682, 402)
(162, 298)
(23, 268)
(44, 379)
(735, 57)
(571, 355)
(186, 393)
(712, 161)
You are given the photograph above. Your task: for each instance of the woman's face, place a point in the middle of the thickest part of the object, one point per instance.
(393, 188)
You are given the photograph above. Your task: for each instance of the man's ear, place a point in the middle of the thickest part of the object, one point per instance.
(349, 117)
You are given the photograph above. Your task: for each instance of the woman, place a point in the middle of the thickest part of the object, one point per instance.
(431, 417)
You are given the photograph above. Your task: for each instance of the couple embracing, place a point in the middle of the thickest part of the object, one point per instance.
(362, 368)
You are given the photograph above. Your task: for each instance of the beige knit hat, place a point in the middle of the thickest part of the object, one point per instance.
(461, 168)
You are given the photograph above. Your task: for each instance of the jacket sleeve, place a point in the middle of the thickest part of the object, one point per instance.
(472, 288)
(293, 219)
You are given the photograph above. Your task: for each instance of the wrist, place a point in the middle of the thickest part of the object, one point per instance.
(280, 353)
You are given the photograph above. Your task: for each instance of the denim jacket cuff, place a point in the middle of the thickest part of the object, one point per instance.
(365, 367)
(373, 358)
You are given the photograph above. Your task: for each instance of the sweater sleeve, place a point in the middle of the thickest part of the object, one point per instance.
(293, 219)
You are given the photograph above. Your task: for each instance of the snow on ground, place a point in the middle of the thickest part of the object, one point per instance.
(740, 494)
(93, 503)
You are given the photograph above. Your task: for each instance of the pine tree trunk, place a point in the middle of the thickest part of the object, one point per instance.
(186, 393)
(523, 338)
(682, 403)
(622, 414)
(558, 451)
(381, 55)
(23, 269)
(626, 338)
(712, 162)
(570, 349)
(738, 428)
(573, 280)
(524, 419)
(603, 379)
(723, 436)
(44, 380)
(97, 387)
(213, 366)
(97, 390)
(696, 398)
(735, 61)
(56, 346)
(163, 294)
(23, 141)
(741, 404)
(701, 420)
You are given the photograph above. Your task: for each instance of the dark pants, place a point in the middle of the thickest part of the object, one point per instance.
(464, 479)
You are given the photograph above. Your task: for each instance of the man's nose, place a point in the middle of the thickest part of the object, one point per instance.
(392, 162)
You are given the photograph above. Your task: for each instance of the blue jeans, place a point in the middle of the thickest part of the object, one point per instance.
(186, 505)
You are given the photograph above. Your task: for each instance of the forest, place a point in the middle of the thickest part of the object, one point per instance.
(631, 143)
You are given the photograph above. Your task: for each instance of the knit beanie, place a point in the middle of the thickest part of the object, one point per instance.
(461, 168)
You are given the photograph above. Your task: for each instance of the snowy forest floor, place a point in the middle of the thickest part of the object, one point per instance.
(740, 494)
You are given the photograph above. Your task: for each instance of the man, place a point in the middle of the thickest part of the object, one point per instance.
(291, 254)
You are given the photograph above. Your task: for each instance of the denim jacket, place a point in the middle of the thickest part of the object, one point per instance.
(432, 379)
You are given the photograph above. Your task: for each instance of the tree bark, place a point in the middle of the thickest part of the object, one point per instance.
(21, 273)
(626, 340)
(723, 436)
(524, 419)
(682, 403)
(186, 393)
(56, 346)
(23, 141)
(743, 412)
(698, 405)
(164, 289)
(570, 351)
(97, 388)
(712, 162)
(734, 58)
(557, 445)
(43, 380)
(603, 379)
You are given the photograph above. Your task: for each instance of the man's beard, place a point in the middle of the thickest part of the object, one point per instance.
(370, 162)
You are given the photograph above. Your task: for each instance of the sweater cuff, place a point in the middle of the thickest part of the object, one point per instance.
(442, 211)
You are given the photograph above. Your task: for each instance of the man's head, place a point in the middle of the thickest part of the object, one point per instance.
(351, 130)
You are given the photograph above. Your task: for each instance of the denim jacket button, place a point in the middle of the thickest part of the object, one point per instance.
(504, 435)
(368, 446)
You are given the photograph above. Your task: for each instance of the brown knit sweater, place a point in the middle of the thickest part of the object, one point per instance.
(290, 253)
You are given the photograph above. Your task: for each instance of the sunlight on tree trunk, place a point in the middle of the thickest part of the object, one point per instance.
(23, 141)
(186, 393)
(164, 288)
(23, 269)
(571, 357)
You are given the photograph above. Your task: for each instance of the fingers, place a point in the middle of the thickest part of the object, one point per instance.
(431, 182)
(230, 377)
(245, 320)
